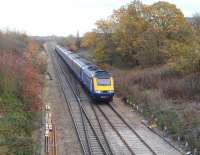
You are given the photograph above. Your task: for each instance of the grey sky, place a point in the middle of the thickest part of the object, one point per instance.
(64, 17)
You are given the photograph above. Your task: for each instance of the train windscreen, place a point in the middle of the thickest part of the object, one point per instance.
(103, 82)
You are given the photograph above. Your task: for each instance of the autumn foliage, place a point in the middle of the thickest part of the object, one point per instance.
(146, 35)
(153, 52)
(20, 77)
(20, 92)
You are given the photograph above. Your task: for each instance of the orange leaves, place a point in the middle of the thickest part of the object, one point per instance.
(147, 35)
(88, 40)
(32, 87)
(20, 78)
(32, 48)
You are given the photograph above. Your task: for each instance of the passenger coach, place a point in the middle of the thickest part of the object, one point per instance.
(99, 83)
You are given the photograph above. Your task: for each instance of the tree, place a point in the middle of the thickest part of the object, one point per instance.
(164, 16)
(20, 90)
(178, 42)
(128, 26)
(104, 42)
(89, 40)
(71, 42)
(153, 50)
(138, 34)
(196, 22)
(78, 41)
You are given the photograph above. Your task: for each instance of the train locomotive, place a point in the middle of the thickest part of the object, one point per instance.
(99, 83)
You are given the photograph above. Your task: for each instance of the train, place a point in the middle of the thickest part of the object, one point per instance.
(98, 82)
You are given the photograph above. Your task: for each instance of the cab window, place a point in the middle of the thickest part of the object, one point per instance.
(103, 82)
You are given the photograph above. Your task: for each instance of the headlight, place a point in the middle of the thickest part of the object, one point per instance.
(98, 91)
(111, 91)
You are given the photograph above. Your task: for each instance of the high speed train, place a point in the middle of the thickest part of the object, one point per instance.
(99, 83)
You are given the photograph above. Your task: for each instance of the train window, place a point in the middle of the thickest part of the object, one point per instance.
(92, 68)
(103, 82)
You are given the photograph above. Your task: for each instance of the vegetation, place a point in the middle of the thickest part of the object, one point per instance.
(73, 43)
(146, 35)
(21, 68)
(165, 97)
(158, 50)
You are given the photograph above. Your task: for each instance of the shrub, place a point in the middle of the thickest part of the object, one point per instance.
(166, 96)
(185, 88)
(20, 90)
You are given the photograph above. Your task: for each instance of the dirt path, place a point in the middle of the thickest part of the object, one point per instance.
(66, 137)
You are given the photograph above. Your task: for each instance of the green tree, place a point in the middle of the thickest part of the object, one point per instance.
(129, 24)
(153, 49)
(104, 42)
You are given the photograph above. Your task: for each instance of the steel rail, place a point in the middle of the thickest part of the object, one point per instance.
(69, 106)
(88, 102)
(130, 127)
(103, 132)
(123, 140)
(113, 127)
(83, 109)
(78, 93)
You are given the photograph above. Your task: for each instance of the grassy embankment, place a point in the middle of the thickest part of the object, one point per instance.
(165, 97)
(21, 80)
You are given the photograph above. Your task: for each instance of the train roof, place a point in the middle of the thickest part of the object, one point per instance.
(89, 68)
(102, 74)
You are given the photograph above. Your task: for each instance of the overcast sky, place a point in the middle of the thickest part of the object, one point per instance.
(64, 17)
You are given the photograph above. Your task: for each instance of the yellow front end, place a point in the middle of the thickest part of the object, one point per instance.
(103, 91)
(98, 87)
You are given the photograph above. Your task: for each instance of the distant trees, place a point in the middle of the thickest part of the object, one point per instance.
(138, 34)
(71, 42)
(89, 40)
(196, 22)
(78, 41)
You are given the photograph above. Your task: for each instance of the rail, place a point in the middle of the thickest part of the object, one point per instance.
(65, 83)
(87, 122)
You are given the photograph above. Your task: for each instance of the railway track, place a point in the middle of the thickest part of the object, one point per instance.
(125, 148)
(127, 142)
(89, 138)
(88, 111)
(100, 128)
(116, 125)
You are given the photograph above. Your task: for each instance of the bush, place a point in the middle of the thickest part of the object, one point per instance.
(166, 97)
(185, 88)
(20, 91)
